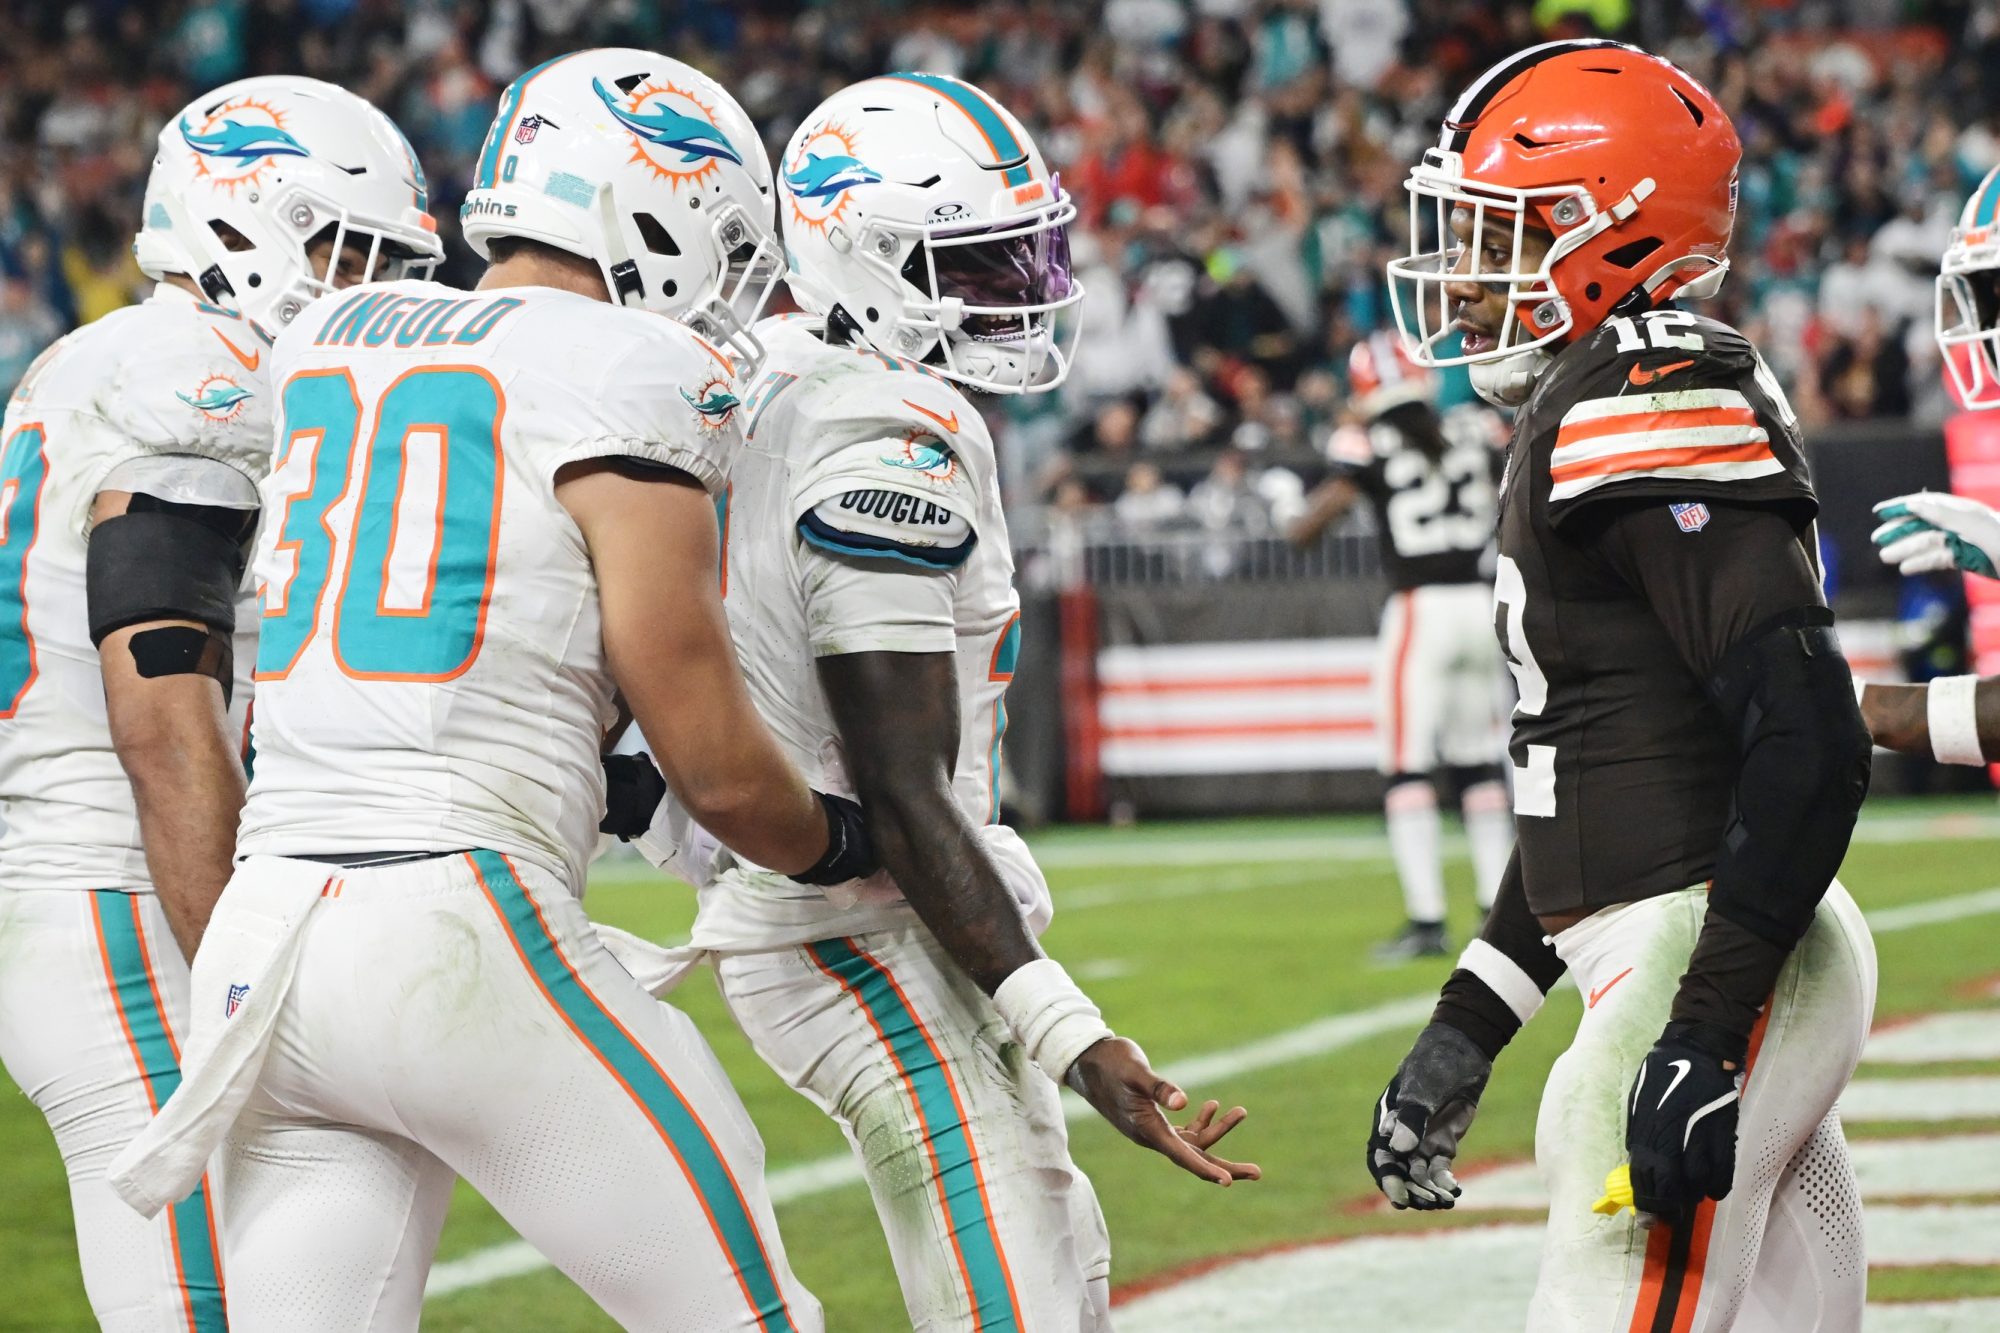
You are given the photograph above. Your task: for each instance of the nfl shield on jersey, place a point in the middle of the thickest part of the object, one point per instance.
(170, 396)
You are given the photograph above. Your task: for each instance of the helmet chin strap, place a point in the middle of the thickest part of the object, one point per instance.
(1507, 381)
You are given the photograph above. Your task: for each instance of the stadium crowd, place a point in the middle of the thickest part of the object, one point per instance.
(1238, 164)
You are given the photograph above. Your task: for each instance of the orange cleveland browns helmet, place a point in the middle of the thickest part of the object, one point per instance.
(1381, 375)
(1621, 157)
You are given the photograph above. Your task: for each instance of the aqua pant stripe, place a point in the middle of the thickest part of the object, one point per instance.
(135, 992)
(927, 1075)
(644, 1082)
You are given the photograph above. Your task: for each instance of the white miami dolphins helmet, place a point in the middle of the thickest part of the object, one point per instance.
(1967, 320)
(921, 219)
(645, 166)
(280, 160)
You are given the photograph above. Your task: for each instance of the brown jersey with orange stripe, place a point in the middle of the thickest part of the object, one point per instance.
(1656, 506)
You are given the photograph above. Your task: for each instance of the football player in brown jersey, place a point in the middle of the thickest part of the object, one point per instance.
(1688, 755)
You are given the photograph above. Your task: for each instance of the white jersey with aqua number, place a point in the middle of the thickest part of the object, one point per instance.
(168, 397)
(431, 674)
(863, 516)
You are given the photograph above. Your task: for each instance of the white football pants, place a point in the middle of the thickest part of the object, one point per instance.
(1781, 1254)
(458, 1017)
(93, 1006)
(1438, 673)
(990, 1223)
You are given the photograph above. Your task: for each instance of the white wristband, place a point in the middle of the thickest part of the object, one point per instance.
(1954, 720)
(1504, 976)
(1054, 1021)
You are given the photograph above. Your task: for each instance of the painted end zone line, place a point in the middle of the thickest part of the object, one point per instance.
(1321, 1037)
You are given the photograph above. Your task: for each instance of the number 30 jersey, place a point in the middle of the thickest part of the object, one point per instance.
(1435, 515)
(431, 671)
(1648, 471)
(168, 397)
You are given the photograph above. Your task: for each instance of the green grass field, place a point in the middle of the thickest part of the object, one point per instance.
(1196, 939)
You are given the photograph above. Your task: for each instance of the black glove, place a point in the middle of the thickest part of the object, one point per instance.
(850, 852)
(1422, 1115)
(633, 789)
(1680, 1127)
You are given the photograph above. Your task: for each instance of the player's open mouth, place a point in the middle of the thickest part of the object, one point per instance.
(1473, 342)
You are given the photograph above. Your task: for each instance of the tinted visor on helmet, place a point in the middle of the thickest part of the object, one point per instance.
(1007, 276)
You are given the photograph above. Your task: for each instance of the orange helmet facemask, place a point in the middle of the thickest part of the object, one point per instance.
(1619, 157)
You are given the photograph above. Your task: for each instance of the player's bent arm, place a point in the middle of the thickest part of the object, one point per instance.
(161, 582)
(652, 538)
(1329, 501)
(897, 713)
(1424, 1113)
(1953, 719)
(1749, 618)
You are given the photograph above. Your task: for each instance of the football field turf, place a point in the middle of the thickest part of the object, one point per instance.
(1236, 953)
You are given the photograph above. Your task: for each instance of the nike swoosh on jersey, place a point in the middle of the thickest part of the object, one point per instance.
(1598, 993)
(949, 423)
(1681, 1069)
(1642, 376)
(250, 362)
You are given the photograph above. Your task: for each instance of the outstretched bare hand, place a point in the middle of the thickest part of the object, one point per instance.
(1115, 1079)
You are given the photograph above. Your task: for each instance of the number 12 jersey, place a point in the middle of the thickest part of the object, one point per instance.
(1636, 544)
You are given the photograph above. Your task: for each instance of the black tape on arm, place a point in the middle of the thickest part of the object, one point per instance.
(1503, 975)
(1787, 690)
(158, 565)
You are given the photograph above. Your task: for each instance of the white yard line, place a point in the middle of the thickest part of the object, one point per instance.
(1968, 1034)
(1479, 1278)
(1319, 1038)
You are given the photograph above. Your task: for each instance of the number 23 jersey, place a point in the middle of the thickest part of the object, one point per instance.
(431, 673)
(1645, 450)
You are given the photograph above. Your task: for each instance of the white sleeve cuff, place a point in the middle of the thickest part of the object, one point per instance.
(1504, 976)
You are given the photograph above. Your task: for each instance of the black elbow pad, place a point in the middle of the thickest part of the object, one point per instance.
(1806, 752)
(161, 563)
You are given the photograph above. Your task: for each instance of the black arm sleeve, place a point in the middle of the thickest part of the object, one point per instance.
(1747, 614)
(1469, 1001)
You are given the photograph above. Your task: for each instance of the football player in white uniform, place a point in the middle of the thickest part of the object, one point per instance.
(870, 591)
(492, 509)
(128, 492)
(1954, 719)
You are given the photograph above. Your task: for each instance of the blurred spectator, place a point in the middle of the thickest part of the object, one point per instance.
(1237, 166)
(1226, 500)
(1149, 501)
(1183, 417)
(27, 325)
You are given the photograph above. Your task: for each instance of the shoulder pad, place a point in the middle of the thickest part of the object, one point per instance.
(177, 380)
(889, 525)
(655, 390)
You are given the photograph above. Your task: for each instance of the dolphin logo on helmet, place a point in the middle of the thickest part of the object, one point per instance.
(243, 142)
(693, 137)
(825, 177)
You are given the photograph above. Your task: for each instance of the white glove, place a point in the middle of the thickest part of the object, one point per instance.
(1929, 532)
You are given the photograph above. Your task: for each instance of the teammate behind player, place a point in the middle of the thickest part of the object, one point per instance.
(1430, 481)
(492, 508)
(1688, 756)
(133, 450)
(870, 591)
